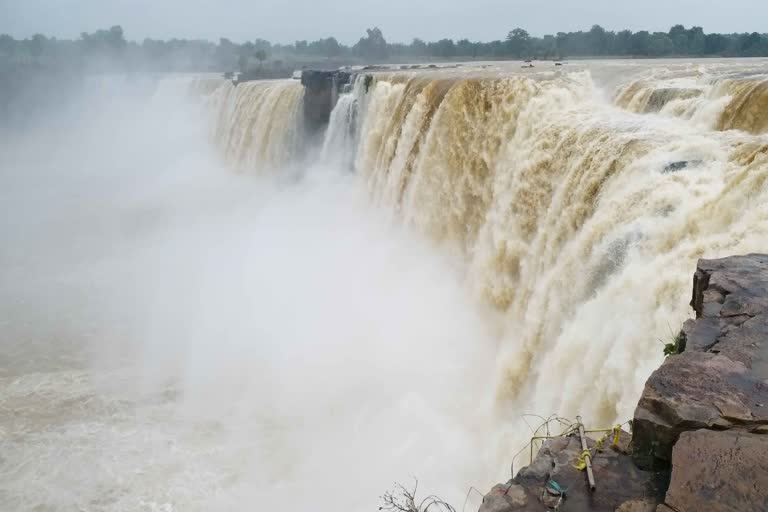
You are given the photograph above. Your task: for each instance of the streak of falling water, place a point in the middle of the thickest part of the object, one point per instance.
(258, 124)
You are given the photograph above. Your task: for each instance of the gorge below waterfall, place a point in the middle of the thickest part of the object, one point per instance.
(244, 312)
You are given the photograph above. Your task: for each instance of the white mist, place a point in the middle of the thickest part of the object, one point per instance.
(178, 338)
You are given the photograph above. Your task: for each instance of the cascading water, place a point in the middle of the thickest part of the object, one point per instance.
(339, 142)
(573, 217)
(181, 337)
(258, 124)
(734, 100)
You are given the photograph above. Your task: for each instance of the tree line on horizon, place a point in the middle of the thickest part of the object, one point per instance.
(110, 48)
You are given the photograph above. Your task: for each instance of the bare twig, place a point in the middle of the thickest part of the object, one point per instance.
(466, 500)
(400, 499)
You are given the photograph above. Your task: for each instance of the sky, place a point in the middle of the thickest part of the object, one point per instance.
(401, 20)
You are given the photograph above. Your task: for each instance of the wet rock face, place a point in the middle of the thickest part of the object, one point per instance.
(620, 484)
(720, 381)
(504, 497)
(719, 472)
(321, 89)
(680, 165)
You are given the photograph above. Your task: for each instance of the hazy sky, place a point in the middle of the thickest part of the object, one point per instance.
(401, 20)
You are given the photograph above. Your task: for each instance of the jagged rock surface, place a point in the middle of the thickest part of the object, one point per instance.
(720, 380)
(620, 484)
(321, 89)
(719, 472)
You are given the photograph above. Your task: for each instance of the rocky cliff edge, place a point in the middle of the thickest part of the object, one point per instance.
(700, 432)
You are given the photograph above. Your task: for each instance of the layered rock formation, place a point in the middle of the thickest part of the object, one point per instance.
(321, 90)
(621, 485)
(699, 440)
(720, 379)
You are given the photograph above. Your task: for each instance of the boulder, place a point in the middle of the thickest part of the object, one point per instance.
(719, 472)
(619, 482)
(504, 497)
(679, 165)
(720, 380)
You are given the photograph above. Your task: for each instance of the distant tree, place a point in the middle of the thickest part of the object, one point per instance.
(497, 49)
(7, 44)
(108, 47)
(677, 30)
(679, 36)
(598, 40)
(104, 45)
(696, 41)
(641, 43)
(37, 45)
(465, 48)
(624, 42)
(262, 44)
(444, 48)
(518, 42)
(373, 46)
(715, 44)
(561, 45)
(399, 49)
(418, 48)
(751, 45)
(546, 48)
(660, 44)
(331, 47)
(301, 47)
(328, 47)
(116, 38)
(226, 53)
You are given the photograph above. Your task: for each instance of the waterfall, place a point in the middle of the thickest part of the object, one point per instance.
(258, 124)
(340, 138)
(572, 216)
(578, 219)
(562, 205)
(465, 247)
(731, 101)
(748, 108)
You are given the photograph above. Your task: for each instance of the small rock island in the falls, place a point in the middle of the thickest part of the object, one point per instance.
(700, 431)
